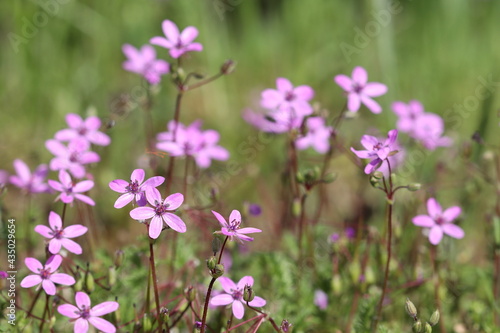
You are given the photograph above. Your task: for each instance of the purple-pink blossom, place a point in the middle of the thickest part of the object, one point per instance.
(190, 140)
(376, 150)
(277, 121)
(439, 222)
(59, 236)
(70, 190)
(25, 180)
(83, 314)
(134, 189)
(317, 136)
(161, 211)
(234, 295)
(232, 229)
(288, 98)
(46, 275)
(321, 299)
(359, 91)
(79, 128)
(177, 42)
(72, 157)
(143, 62)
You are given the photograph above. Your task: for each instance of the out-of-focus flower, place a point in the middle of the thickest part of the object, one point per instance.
(359, 91)
(407, 114)
(280, 121)
(232, 229)
(160, 212)
(317, 136)
(143, 62)
(234, 295)
(71, 191)
(177, 42)
(46, 275)
(321, 299)
(83, 315)
(25, 180)
(287, 98)
(439, 222)
(376, 151)
(134, 189)
(254, 209)
(72, 157)
(87, 129)
(192, 141)
(59, 236)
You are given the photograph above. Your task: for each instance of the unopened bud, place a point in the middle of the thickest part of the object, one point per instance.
(417, 327)
(190, 293)
(218, 271)
(216, 244)
(410, 308)
(286, 327)
(89, 282)
(414, 187)
(434, 318)
(211, 262)
(119, 254)
(248, 294)
(378, 175)
(52, 322)
(300, 177)
(228, 67)
(116, 314)
(428, 328)
(111, 276)
(374, 182)
(165, 314)
(337, 284)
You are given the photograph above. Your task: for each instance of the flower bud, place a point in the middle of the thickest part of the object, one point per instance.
(496, 230)
(165, 314)
(89, 282)
(52, 322)
(119, 254)
(216, 244)
(211, 262)
(218, 271)
(286, 327)
(190, 293)
(374, 182)
(410, 308)
(248, 294)
(434, 318)
(337, 284)
(116, 314)
(378, 175)
(146, 323)
(300, 177)
(428, 328)
(111, 276)
(417, 327)
(228, 67)
(414, 187)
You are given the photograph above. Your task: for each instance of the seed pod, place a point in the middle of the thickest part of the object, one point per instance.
(410, 308)
(417, 327)
(211, 262)
(119, 254)
(414, 187)
(428, 328)
(190, 293)
(218, 271)
(434, 318)
(248, 294)
(89, 282)
(111, 276)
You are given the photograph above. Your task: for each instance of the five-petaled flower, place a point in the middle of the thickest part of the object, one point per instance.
(134, 189)
(72, 157)
(232, 229)
(46, 275)
(60, 236)
(359, 91)
(288, 98)
(375, 150)
(160, 212)
(177, 42)
(234, 295)
(439, 222)
(143, 61)
(87, 129)
(83, 314)
(70, 191)
(31, 183)
(317, 136)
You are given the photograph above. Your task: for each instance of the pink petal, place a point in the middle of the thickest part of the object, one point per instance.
(344, 82)
(174, 201)
(49, 287)
(369, 142)
(30, 281)
(218, 153)
(170, 30)
(53, 263)
(220, 218)
(154, 181)
(85, 199)
(61, 278)
(142, 213)
(371, 104)
(99, 138)
(22, 170)
(374, 89)
(223, 299)
(188, 35)
(155, 227)
(89, 157)
(44, 231)
(284, 85)
(55, 221)
(65, 179)
(353, 102)
(423, 221)
(69, 310)
(392, 136)
(160, 41)
(137, 175)
(55, 147)
(75, 230)
(153, 196)
(81, 326)
(33, 265)
(270, 99)
(130, 51)
(124, 200)
(257, 302)
(244, 237)
(174, 222)
(305, 93)
(433, 208)
(362, 153)
(170, 147)
(359, 75)
(92, 123)
(238, 309)
(71, 246)
(235, 216)
(400, 109)
(453, 230)
(66, 198)
(82, 300)
(118, 185)
(435, 235)
(104, 308)
(83, 186)
(451, 213)
(67, 134)
(73, 120)
(194, 47)
(372, 166)
(246, 280)
(248, 230)
(227, 284)
(55, 246)
(102, 325)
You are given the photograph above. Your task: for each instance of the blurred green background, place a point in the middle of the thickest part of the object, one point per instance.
(60, 57)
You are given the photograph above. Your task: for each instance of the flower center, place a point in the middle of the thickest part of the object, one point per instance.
(82, 131)
(234, 224)
(378, 146)
(289, 96)
(133, 187)
(357, 88)
(161, 209)
(237, 294)
(73, 157)
(440, 220)
(84, 312)
(57, 233)
(44, 273)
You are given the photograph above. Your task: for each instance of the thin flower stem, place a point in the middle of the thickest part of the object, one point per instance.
(437, 286)
(205, 308)
(222, 249)
(34, 302)
(181, 315)
(177, 113)
(155, 285)
(245, 322)
(266, 316)
(301, 223)
(63, 214)
(203, 82)
(46, 311)
(186, 170)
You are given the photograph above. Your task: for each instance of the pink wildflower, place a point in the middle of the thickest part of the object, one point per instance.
(318, 135)
(31, 183)
(321, 299)
(177, 42)
(143, 61)
(134, 189)
(72, 157)
(71, 191)
(375, 150)
(46, 275)
(87, 129)
(232, 229)
(287, 98)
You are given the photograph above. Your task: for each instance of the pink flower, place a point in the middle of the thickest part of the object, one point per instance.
(87, 129)
(321, 299)
(439, 222)
(31, 183)
(407, 114)
(376, 151)
(395, 160)
(72, 157)
(287, 98)
(71, 191)
(359, 91)
(4, 178)
(144, 62)
(134, 189)
(46, 275)
(177, 43)
(83, 315)
(161, 212)
(192, 141)
(60, 236)
(278, 121)
(234, 295)
(232, 229)
(318, 135)
(428, 129)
